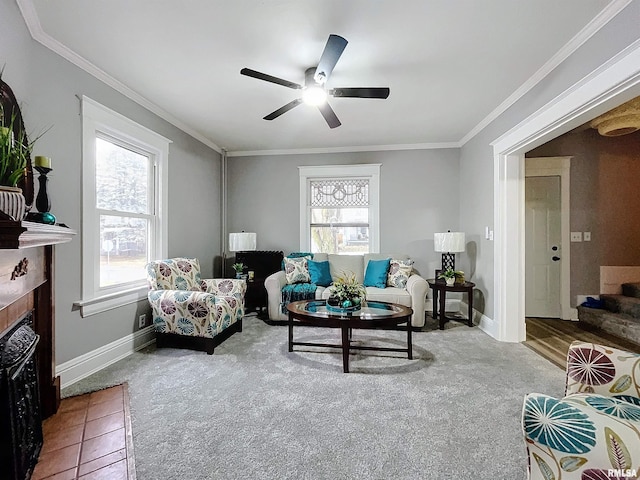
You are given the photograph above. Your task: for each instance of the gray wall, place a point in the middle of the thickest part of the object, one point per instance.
(477, 159)
(263, 191)
(418, 196)
(605, 200)
(46, 86)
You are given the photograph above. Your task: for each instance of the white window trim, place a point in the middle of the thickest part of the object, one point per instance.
(369, 170)
(98, 118)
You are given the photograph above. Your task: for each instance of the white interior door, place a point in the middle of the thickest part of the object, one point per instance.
(543, 252)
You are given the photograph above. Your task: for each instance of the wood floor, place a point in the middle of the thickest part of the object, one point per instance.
(551, 338)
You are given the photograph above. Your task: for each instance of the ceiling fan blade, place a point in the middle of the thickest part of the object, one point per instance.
(269, 78)
(362, 92)
(283, 109)
(329, 115)
(332, 51)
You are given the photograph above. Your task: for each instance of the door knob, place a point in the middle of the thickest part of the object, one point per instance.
(555, 258)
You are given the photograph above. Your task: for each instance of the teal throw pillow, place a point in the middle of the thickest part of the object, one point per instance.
(320, 273)
(376, 274)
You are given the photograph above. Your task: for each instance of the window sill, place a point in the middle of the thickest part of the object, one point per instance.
(109, 302)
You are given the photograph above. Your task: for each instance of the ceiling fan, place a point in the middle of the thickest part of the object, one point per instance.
(315, 78)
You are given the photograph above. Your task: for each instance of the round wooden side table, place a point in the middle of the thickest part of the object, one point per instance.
(440, 289)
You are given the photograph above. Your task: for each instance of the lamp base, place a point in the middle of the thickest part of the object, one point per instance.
(448, 261)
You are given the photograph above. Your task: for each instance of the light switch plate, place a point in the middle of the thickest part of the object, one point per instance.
(576, 236)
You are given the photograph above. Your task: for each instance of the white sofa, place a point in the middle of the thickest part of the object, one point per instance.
(413, 295)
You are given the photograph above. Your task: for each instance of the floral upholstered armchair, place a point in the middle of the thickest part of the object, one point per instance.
(190, 311)
(593, 433)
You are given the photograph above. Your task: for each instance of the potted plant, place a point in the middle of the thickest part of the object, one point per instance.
(14, 156)
(347, 294)
(452, 276)
(238, 267)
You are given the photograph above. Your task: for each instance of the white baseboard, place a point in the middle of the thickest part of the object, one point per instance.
(486, 324)
(81, 367)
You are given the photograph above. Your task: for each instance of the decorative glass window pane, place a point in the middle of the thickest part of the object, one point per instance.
(349, 192)
(122, 178)
(123, 249)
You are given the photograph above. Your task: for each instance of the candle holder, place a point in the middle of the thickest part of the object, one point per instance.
(43, 204)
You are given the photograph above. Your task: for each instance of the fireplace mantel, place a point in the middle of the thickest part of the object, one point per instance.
(31, 234)
(27, 284)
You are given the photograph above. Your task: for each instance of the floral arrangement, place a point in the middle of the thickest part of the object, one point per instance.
(347, 291)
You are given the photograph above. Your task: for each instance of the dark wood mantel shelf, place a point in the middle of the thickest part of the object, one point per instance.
(31, 234)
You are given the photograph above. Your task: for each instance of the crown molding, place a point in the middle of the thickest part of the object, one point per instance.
(618, 79)
(347, 149)
(30, 15)
(599, 21)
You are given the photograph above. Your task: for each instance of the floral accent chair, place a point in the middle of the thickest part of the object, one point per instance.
(593, 433)
(189, 311)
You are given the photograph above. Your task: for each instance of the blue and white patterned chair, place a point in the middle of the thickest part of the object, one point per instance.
(189, 311)
(593, 433)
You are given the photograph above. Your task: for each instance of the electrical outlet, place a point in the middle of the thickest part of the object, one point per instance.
(586, 236)
(142, 320)
(576, 236)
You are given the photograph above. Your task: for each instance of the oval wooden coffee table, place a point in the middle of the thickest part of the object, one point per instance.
(372, 315)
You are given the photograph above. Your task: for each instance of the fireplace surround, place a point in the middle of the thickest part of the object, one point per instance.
(30, 388)
(20, 418)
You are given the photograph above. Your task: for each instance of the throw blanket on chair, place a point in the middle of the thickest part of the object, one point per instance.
(295, 292)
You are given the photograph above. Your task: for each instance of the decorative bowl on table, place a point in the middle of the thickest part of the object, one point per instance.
(346, 305)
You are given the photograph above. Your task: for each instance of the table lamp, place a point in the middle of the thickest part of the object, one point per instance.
(242, 241)
(449, 244)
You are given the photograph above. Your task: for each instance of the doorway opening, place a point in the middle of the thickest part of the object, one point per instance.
(605, 88)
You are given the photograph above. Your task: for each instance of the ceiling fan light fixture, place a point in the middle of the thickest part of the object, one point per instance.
(314, 95)
(315, 79)
(320, 78)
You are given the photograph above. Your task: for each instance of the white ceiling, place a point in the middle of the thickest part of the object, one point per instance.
(451, 65)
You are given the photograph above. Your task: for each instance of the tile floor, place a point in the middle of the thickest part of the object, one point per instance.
(89, 439)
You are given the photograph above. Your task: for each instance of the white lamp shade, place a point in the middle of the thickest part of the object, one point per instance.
(242, 242)
(449, 242)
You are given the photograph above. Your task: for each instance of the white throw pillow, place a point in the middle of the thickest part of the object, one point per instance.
(399, 273)
(296, 270)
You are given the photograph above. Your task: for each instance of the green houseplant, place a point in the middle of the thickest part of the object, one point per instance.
(14, 155)
(14, 161)
(238, 268)
(451, 276)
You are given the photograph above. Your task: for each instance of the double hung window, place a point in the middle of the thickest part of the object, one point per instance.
(340, 213)
(123, 222)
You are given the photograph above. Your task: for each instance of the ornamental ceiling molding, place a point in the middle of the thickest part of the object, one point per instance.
(622, 120)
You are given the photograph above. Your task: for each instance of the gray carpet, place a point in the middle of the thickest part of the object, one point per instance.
(255, 411)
